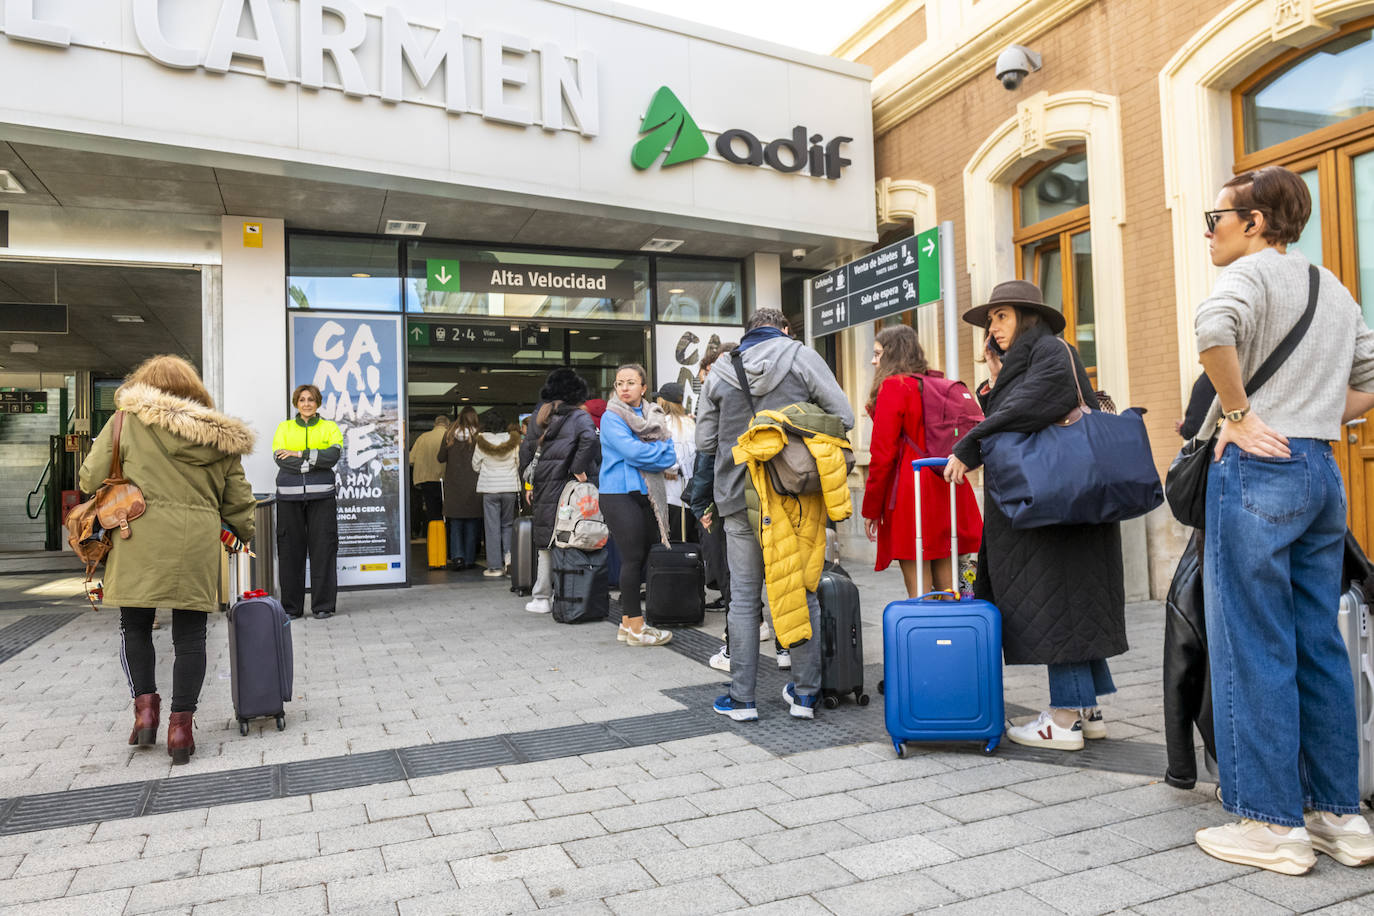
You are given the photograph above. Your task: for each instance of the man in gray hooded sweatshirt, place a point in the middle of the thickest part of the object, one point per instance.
(779, 371)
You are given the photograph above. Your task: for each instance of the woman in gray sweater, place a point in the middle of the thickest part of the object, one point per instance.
(1282, 694)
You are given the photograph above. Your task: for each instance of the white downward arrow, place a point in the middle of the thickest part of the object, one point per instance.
(930, 248)
(443, 276)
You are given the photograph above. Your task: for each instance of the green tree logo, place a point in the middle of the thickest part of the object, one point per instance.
(667, 125)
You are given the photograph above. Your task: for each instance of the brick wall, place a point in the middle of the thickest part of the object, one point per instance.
(906, 35)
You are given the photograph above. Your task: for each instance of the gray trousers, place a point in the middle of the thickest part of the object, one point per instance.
(745, 557)
(543, 575)
(498, 514)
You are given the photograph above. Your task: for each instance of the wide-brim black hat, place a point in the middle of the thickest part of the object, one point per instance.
(1021, 293)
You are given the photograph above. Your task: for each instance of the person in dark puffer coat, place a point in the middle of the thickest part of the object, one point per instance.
(570, 449)
(1060, 588)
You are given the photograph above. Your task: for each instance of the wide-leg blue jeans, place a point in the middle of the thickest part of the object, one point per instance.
(1283, 700)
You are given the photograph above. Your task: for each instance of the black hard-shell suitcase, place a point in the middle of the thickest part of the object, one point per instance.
(675, 581)
(522, 556)
(842, 643)
(580, 591)
(261, 660)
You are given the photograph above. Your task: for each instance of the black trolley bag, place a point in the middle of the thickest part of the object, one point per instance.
(522, 556)
(675, 585)
(581, 593)
(261, 659)
(842, 644)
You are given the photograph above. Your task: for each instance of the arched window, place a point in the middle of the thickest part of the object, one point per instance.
(1318, 88)
(1054, 245)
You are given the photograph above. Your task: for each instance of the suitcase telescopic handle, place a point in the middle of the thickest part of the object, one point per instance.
(935, 463)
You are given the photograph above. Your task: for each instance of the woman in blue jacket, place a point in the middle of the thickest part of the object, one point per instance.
(636, 448)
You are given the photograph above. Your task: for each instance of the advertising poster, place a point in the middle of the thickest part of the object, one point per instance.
(357, 363)
(678, 350)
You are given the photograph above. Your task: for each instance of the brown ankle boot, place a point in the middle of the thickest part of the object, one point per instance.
(181, 744)
(147, 709)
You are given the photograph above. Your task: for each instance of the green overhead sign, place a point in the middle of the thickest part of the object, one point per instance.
(441, 275)
(928, 265)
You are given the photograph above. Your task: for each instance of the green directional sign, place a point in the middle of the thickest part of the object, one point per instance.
(441, 276)
(667, 125)
(928, 265)
(417, 333)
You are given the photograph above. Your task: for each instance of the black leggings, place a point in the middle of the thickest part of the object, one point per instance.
(140, 662)
(630, 516)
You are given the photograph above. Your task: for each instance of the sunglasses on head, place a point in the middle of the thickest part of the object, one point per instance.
(1212, 217)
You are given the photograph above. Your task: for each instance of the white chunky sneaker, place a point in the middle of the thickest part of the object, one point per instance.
(721, 660)
(1253, 843)
(539, 606)
(1351, 843)
(649, 636)
(1093, 726)
(1043, 732)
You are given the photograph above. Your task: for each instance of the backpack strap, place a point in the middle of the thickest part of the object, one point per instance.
(116, 461)
(738, 359)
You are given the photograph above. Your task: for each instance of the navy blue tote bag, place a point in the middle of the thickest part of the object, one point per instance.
(1090, 468)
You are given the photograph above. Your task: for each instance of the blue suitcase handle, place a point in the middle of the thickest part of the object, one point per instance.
(929, 463)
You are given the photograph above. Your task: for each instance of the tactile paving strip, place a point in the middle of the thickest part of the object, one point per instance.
(349, 771)
(451, 756)
(569, 741)
(205, 790)
(26, 631)
(79, 806)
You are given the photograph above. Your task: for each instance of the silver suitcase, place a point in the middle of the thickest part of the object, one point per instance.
(1354, 623)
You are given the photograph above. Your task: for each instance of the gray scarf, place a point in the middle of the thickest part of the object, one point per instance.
(652, 427)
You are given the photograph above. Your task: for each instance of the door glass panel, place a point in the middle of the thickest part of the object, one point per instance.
(1333, 83)
(1363, 167)
(1310, 242)
(1056, 190)
(1085, 324)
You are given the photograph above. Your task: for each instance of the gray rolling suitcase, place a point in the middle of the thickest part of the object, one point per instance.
(522, 556)
(1359, 643)
(842, 644)
(261, 659)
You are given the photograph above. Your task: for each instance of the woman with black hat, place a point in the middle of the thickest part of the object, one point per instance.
(1060, 588)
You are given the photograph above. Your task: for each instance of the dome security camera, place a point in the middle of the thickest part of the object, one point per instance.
(799, 254)
(1013, 64)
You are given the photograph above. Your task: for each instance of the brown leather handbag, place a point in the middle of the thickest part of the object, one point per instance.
(114, 505)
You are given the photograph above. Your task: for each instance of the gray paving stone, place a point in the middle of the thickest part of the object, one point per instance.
(893, 895)
(581, 908)
(620, 847)
(688, 763)
(1067, 787)
(1152, 799)
(647, 790)
(134, 826)
(986, 836)
(813, 839)
(647, 814)
(766, 883)
(980, 806)
(361, 795)
(743, 774)
(1214, 900)
(824, 783)
(186, 840)
(791, 906)
(1072, 816)
(160, 895)
(407, 805)
(987, 874)
(673, 867)
(104, 903)
(465, 819)
(737, 798)
(547, 832)
(1345, 908)
(542, 769)
(593, 882)
(303, 901)
(1081, 851)
(829, 758)
(80, 835)
(64, 857)
(1328, 883)
(520, 790)
(705, 831)
(702, 895)
(500, 898)
(813, 810)
(1009, 901)
(1105, 890)
(1172, 828)
(911, 792)
(8, 864)
(321, 870)
(888, 857)
(261, 852)
(274, 810)
(373, 892)
(602, 777)
(444, 848)
(372, 834)
(1184, 868)
(896, 822)
(456, 781)
(135, 873)
(578, 802)
(910, 767)
(521, 863)
(272, 825)
(978, 779)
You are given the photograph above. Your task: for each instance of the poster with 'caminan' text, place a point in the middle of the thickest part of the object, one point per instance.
(356, 362)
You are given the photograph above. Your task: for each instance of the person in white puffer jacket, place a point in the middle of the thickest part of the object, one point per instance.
(496, 460)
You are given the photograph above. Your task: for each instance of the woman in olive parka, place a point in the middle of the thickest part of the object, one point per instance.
(187, 460)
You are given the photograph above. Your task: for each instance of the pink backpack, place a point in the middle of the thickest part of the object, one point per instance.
(949, 410)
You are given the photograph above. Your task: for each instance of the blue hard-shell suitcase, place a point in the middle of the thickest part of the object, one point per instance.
(942, 662)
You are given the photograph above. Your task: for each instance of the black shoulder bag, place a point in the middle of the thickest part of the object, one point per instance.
(1185, 486)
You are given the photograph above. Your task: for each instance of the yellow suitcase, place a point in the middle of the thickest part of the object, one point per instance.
(438, 545)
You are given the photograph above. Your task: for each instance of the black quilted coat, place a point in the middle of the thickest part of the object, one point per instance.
(1060, 588)
(570, 447)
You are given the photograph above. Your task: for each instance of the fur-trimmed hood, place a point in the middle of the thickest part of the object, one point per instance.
(186, 419)
(497, 445)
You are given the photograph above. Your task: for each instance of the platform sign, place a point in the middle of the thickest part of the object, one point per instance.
(886, 282)
(23, 401)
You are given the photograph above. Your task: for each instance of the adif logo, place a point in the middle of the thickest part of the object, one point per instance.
(668, 126)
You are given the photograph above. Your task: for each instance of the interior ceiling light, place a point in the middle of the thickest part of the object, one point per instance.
(574, 331)
(515, 327)
(361, 276)
(404, 227)
(9, 184)
(483, 387)
(678, 291)
(543, 329)
(23, 346)
(662, 245)
(128, 319)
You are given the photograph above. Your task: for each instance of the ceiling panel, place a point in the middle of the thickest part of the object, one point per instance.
(455, 219)
(43, 159)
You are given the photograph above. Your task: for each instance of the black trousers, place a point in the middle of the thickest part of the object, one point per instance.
(308, 528)
(140, 661)
(433, 494)
(713, 553)
(682, 525)
(630, 517)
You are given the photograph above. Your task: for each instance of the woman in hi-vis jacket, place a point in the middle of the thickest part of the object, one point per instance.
(306, 448)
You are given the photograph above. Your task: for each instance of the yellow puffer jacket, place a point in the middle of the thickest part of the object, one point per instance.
(791, 529)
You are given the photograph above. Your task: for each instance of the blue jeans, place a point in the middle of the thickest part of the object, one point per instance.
(462, 539)
(1077, 685)
(745, 557)
(1283, 700)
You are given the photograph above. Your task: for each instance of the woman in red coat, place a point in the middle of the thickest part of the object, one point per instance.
(899, 437)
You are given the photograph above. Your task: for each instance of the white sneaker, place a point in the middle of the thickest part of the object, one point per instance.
(1253, 843)
(1351, 843)
(784, 660)
(539, 606)
(491, 572)
(721, 660)
(1093, 726)
(1043, 732)
(765, 632)
(648, 636)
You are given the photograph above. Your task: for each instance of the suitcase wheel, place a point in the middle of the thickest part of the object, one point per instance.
(243, 727)
(901, 748)
(992, 745)
(880, 688)
(831, 701)
(281, 722)
(860, 697)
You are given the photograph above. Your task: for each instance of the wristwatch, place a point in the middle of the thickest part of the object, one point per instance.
(1235, 416)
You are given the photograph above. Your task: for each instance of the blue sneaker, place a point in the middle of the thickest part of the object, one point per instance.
(740, 712)
(801, 707)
